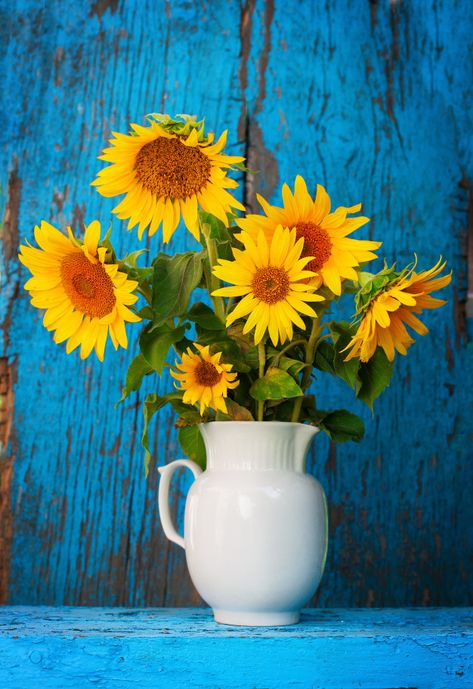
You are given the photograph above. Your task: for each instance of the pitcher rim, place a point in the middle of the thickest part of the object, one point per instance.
(253, 423)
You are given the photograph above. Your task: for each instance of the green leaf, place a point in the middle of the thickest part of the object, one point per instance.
(130, 259)
(189, 417)
(251, 358)
(241, 394)
(283, 411)
(243, 168)
(245, 343)
(175, 400)
(106, 242)
(292, 366)
(202, 315)
(340, 329)
(276, 384)
(182, 345)
(347, 370)
(374, 377)
(216, 228)
(235, 412)
(342, 333)
(146, 312)
(341, 425)
(155, 343)
(309, 409)
(231, 355)
(137, 370)
(174, 279)
(219, 342)
(151, 405)
(324, 357)
(192, 444)
(142, 275)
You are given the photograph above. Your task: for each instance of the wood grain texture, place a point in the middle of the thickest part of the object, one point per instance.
(370, 99)
(70, 648)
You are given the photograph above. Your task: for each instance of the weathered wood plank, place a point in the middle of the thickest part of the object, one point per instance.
(329, 649)
(371, 99)
(91, 517)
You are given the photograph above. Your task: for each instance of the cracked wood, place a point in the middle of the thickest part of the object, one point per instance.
(369, 99)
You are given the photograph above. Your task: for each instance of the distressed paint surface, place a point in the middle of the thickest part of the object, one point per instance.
(329, 649)
(371, 99)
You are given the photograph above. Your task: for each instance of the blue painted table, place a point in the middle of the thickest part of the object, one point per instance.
(73, 648)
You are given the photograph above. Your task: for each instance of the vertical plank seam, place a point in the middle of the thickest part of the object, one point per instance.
(9, 291)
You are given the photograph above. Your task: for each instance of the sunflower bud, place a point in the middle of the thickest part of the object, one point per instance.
(181, 124)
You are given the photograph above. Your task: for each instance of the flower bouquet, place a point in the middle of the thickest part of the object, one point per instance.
(248, 316)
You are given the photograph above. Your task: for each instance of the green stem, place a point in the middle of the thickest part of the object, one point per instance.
(309, 360)
(230, 302)
(285, 349)
(261, 361)
(213, 283)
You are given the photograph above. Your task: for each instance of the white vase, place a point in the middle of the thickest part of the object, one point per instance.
(255, 527)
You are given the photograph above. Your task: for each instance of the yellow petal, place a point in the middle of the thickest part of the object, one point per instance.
(92, 237)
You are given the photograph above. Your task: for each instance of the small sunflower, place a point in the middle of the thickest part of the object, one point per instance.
(204, 378)
(335, 256)
(273, 281)
(389, 311)
(85, 298)
(166, 170)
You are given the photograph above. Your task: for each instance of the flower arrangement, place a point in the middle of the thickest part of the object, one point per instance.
(249, 348)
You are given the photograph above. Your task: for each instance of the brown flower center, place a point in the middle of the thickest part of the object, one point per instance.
(170, 169)
(88, 286)
(270, 284)
(316, 243)
(206, 374)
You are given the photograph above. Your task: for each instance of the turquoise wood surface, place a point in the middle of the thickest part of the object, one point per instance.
(70, 648)
(372, 99)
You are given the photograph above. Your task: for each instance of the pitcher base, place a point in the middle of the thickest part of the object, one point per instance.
(256, 619)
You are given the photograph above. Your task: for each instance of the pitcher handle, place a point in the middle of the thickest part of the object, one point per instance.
(163, 496)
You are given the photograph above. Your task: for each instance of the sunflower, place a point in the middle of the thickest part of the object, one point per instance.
(273, 281)
(389, 311)
(335, 256)
(166, 173)
(204, 378)
(85, 298)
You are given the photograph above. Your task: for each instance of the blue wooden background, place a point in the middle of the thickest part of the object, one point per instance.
(372, 99)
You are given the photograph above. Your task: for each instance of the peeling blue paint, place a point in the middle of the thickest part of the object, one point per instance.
(370, 99)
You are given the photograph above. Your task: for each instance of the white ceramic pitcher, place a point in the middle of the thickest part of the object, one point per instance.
(255, 527)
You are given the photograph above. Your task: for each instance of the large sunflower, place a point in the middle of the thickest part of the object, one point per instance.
(335, 256)
(85, 298)
(204, 378)
(272, 278)
(165, 174)
(387, 313)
